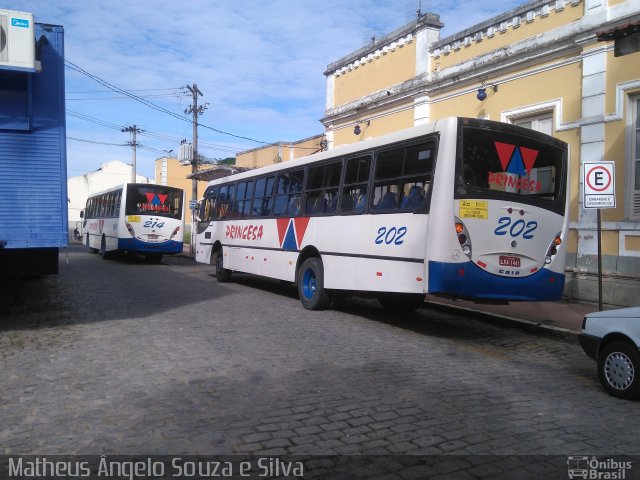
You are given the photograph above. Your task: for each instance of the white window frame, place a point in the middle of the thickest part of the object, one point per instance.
(632, 199)
(535, 121)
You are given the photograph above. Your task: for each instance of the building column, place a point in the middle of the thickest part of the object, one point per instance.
(592, 149)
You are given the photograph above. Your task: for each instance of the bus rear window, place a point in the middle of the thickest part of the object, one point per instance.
(515, 164)
(164, 202)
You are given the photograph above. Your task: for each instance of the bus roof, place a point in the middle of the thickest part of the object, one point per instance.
(341, 150)
(122, 185)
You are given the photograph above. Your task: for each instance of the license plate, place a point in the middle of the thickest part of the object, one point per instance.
(509, 261)
(152, 237)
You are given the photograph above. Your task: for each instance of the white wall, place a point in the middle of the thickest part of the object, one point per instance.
(109, 175)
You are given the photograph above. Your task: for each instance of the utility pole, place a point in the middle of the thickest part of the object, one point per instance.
(195, 110)
(133, 129)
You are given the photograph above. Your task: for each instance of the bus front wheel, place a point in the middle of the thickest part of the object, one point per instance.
(222, 274)
(311, 285)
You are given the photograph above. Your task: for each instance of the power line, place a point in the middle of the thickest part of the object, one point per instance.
(98, 143)
(157, 136)
(153, 106)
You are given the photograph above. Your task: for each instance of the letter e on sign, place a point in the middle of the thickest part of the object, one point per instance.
(599, 185)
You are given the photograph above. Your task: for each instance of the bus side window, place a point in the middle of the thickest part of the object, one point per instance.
(322, 188)
(118, 201)
(263, 198)
(402, 177)
(289, 187)
(241, 195)
(354, 191)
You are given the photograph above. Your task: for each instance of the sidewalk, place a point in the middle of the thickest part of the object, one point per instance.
(560, 317)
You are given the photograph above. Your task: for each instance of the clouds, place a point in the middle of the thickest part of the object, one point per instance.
(259, 64)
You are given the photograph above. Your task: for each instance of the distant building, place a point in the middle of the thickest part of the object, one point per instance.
(280, 152)
(108, 175)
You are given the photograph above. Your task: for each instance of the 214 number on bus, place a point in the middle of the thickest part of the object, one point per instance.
(153, 224)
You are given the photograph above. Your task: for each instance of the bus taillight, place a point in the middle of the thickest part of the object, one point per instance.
(130, 229)
(175, 232)
(463, 237)
(553, 249)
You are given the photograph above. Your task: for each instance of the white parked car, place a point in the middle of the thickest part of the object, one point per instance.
(612, 338)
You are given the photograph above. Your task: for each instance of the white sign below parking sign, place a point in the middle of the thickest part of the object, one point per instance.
(599, 185)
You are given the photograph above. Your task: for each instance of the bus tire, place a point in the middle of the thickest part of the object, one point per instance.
(222, 274)
(154, 258)
(103, 249)
(311, 285)
(91, 249)
(403, 302)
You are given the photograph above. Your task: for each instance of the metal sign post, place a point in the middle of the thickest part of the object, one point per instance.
(599, 192)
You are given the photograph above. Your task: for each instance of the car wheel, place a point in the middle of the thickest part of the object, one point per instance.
(619, 369)
(311, 285)
(222, 274)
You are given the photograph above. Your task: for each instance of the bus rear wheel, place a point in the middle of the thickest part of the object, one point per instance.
(154, 258)
(222, 274)
(311, 285)
(404, 302)
(103, 249)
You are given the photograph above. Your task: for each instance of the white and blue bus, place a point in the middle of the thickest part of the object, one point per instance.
(460, 207)
(135, 218)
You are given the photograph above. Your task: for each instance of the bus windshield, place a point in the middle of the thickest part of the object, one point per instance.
(502, 163)
(154, 200)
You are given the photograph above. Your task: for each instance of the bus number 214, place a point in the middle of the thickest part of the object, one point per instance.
(391, 235)
(153, 224)
(519, 227)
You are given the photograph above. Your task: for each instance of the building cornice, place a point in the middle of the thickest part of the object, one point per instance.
(567, 40)
(500, 23)
(400, 36)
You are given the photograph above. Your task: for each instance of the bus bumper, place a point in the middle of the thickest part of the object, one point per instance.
(469, 280)
(135, 245)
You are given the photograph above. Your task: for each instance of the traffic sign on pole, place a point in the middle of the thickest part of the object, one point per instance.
(599, 192)
(599, 185)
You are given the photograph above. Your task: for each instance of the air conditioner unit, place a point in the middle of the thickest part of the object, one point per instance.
(17, 41)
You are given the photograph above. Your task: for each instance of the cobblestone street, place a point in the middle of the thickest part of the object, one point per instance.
(122, 357)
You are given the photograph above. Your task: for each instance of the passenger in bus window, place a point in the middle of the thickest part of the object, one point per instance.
(389, 201)
(413, 199)
(332, 202)
(361, 203)
(294, 206)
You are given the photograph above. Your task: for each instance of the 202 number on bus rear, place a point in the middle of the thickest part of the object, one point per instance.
(517, 228)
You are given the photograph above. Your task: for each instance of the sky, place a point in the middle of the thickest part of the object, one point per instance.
(260, 67)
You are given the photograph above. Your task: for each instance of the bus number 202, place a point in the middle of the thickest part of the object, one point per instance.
(519, 227)
(391, 235)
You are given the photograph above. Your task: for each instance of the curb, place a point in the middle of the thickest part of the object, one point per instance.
(538, 327)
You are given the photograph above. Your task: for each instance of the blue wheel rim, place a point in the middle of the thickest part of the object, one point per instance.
(309, 284)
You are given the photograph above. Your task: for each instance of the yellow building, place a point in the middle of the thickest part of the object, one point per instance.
(565, 67)
(569, 68)
(280, 152)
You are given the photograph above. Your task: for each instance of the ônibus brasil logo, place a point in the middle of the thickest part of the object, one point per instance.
(518, 162)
